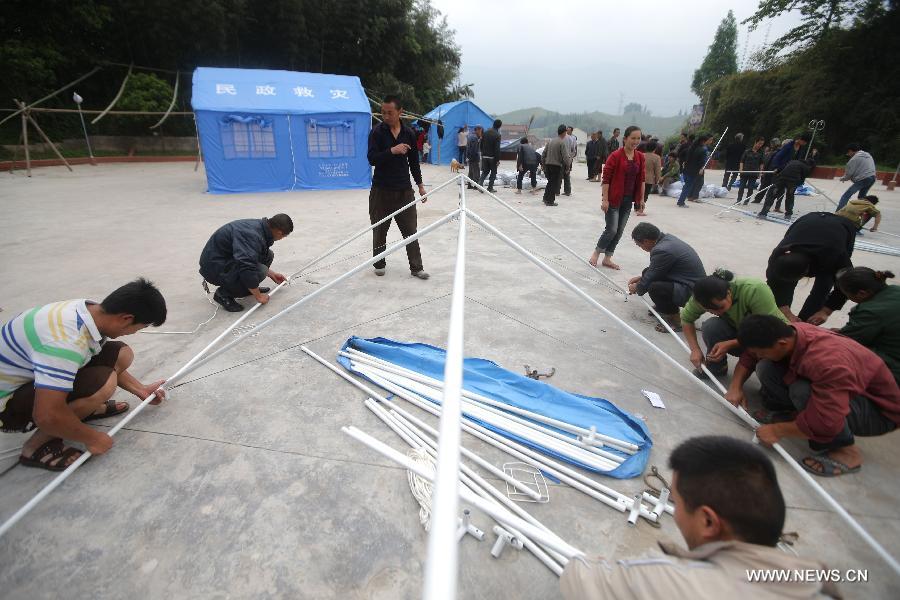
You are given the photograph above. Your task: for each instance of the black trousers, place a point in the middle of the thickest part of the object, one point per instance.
(474, 173)
(781, 187)
(764, 182)
(748, 182)
(864, 418)
(729, 177)
(591, 166)
(383, 202)
(567, 181)
(532, 171)
(488, 166)
(662, 293)
(554, 176)
(229, 281)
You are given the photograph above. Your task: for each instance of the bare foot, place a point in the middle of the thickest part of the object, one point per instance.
(608, 263)
(594, 258)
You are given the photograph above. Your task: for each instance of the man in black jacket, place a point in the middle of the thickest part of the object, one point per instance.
(490, 154)
(392, 151)
(817, 245)
(733, 154)
(590, 155)
(786, 182)
(237, 258)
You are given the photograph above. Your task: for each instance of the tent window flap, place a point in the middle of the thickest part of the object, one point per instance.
(247, 137)
(330, 139)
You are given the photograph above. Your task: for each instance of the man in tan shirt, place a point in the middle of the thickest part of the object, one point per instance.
(555, 160)
(730, 511)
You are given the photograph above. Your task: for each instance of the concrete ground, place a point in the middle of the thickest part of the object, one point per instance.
(242, 485)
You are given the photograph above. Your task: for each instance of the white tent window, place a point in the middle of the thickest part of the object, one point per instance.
(247, 137)
(330, 139)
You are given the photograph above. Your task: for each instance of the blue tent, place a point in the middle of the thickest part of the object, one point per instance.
(454, 115)
(263, 131)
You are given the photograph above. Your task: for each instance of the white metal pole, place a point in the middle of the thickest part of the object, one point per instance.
(490, 508)
(441, 566)
(740, 412)
(709, 158)
(364, 230)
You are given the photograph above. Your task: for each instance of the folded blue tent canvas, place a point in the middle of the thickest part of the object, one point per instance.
(489, 379)
(454, 115)
(264, 131)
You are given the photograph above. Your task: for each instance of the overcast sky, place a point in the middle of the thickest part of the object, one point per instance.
(580, 55)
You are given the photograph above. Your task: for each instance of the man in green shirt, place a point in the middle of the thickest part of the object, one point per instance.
(730, 300)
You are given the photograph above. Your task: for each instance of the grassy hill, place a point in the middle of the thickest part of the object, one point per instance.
(546, 121)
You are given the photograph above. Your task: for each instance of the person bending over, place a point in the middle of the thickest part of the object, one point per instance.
(860, 210)
(730, 511)
(731, 301)
(817, 385)
(875, 320)
(58, 369)
(237, 257)
(674, 268)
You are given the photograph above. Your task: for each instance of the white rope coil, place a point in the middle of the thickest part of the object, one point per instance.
(420, 487)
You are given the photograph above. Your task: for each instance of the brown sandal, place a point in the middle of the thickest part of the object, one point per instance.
(112, 409)
(52, 456)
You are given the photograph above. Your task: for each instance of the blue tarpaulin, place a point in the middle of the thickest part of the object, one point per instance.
(489, 379)
(264, 131)
(453, 115)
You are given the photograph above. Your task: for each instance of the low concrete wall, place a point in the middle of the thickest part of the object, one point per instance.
(9, 165)
(118, 143)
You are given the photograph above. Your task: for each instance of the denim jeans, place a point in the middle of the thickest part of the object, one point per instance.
(616, 218)
(686, 189)
(862, 186)
(461, 155)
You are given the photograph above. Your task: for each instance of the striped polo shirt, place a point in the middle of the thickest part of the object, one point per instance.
(47, 345)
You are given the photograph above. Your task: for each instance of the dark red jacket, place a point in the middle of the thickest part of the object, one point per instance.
(614, 176)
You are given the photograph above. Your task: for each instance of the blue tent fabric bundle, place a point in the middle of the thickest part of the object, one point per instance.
(485, 377)
(264, 131)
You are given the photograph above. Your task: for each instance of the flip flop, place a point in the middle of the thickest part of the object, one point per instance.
(830, 466)
(52, 456)
(662, 329)
(111, 411)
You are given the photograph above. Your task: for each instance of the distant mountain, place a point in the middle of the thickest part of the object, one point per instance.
(546, 121)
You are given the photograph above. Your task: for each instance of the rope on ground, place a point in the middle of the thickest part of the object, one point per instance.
(420, 487)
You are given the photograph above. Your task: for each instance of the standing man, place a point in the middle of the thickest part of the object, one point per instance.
(237, 258)
(392, 153)
(602, 155)
(462, 140)
(613, 141)
(752, 160)
(555, 159)
(572, 149)
(733, 154)
(590, 155)
(490, 154)
(860, 170)
(58, 369)
(473, 154)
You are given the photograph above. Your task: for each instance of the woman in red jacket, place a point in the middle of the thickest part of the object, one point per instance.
(623, 185)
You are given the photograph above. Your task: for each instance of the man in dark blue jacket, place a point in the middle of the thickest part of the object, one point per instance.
(237, 258)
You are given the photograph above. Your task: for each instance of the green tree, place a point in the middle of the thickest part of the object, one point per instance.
(721, 58)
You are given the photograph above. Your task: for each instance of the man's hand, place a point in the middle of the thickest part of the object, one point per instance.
(634, 280)
(768, 434)
(718, 352)
(604, 205)
(400, 149)
(736, 397)
(99, 443)
(276, 277)
(632, 288)
(696, 358)
(819, 316)
(145, 390)
(261, 298)
(786, 311)
(422, 192)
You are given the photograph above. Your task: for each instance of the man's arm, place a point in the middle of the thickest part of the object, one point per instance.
(375, 153)
(54, 417)
(735, 393)
(690, 336)
(245, 251)
(877, 222)
(660, 265)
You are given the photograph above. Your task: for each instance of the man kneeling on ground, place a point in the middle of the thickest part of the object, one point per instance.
(237, 258)
(817, 385)
(674, 267)
(57, 369)
(730, 511)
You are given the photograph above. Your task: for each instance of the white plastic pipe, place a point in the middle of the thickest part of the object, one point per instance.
(740, 412)
(383, 365)
(488, 507)
(441, 565)
(477, 413)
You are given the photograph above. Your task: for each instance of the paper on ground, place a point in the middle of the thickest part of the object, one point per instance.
(654, 399)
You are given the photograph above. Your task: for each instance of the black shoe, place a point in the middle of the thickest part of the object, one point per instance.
(264, 290)
(227, 302)
(550, 204)
(492, 190)
(567, 194)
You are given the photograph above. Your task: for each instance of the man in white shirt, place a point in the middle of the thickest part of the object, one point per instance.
(462, 138)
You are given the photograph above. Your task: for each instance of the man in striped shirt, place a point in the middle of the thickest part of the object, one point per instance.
(57, 369)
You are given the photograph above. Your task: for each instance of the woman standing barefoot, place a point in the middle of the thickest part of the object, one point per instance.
(623, 185)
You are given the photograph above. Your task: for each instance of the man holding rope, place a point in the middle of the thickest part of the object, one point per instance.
(57, 371)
